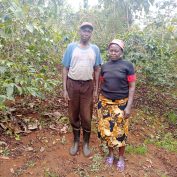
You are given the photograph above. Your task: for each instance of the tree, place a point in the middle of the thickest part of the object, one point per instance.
(85, 2)
(124, 9)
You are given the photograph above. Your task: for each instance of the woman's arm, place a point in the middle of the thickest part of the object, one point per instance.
(127, 110)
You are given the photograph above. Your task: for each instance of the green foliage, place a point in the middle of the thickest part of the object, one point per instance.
(63, 121)
(172, 117)
(141, 150)
(4, 151)
(152, 49)
(104, 148)
(164, 176)
(96, 163)
(168, 142)
(82, 172)
(63, 140)
(48, 173)
(29, 51)
(34, 35)
(153, 58)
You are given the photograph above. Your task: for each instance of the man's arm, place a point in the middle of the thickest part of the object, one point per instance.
(65, 75)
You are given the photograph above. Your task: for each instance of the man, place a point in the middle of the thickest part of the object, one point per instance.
(81, 62)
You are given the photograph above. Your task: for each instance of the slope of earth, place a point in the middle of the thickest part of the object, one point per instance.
(44, 153)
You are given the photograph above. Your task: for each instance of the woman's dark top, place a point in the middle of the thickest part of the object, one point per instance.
(115, 76)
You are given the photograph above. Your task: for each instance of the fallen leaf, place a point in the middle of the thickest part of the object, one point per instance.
(29, 149)
(12, 170)
(3, 126)
(148, 160)
(40, 127)
(12, 109)
(19, 115)
(64, 129)
(4, 157)
(42, 149)
(31, 173)
(3, 143)
(53, 127)
(31, 105)
(46, 141)
(33, 125)
(47, 114)
(54, 142)
(91, 157)
(57, 114)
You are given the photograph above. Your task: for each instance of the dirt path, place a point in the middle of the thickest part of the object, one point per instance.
(44, 153)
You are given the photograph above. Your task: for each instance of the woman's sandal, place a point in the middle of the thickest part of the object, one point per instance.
(120, 165)
(109, 161)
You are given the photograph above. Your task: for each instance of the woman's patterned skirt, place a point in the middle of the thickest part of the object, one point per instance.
(112, 127)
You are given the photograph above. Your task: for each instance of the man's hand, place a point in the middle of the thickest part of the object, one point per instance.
(66, 96)
(127, 112)
(95, 96)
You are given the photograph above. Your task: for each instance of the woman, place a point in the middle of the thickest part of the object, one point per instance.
(115, 101)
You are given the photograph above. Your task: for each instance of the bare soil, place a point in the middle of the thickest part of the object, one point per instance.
(44, 153)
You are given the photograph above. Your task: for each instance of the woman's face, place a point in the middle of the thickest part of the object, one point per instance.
(115, 52)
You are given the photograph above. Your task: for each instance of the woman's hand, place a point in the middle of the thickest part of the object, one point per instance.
(127, 112)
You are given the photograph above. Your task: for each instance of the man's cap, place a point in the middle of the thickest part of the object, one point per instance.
(86, 24)
(119, 42)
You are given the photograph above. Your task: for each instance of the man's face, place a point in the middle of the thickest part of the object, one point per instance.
(85, 34)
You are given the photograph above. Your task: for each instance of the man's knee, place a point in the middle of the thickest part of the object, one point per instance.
(86, 124)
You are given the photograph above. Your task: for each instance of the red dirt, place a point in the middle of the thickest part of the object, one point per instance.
(44, 153)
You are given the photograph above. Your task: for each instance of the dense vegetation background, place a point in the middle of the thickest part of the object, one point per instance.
(35, 33)
(33, 37)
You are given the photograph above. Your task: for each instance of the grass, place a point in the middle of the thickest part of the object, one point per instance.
(63, 120)
(81, 172)
(63, 140)
(104, 148)
(166, 141)
(96, 163)
(48, 173)
(4, 151)
(172, 118)
(30, 163)
(141, 150)
(19, 171)
(162, 173)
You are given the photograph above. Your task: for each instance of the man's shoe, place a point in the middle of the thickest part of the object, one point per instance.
(75, 147)
(86, 137)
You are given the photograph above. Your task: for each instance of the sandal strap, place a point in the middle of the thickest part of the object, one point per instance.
(109, 160)
(121, 165)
